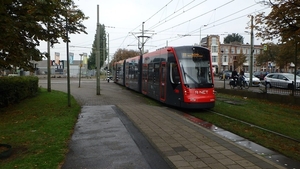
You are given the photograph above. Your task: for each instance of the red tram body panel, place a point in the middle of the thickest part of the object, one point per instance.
(177, 76)
(118, 72)
(132, 73)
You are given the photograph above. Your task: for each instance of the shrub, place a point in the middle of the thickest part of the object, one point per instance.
(16, 88)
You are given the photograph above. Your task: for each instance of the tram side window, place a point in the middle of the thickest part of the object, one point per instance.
(174, 73)
(156, 73)
(150, 73)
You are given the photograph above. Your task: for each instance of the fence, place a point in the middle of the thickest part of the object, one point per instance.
(281, 88)
(275, 88)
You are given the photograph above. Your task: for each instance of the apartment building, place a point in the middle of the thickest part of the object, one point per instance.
(224, 56)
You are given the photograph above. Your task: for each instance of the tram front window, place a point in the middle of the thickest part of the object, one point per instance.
(195, 66)
(196, 73)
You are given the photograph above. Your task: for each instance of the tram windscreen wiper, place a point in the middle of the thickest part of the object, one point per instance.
(187, 75)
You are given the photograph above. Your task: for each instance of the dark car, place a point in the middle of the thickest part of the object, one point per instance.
(260, 74)
(226, 74)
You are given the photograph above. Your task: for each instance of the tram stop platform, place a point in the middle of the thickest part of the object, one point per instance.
(119, 129)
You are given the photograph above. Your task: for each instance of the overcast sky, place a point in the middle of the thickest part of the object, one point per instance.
(172, 22)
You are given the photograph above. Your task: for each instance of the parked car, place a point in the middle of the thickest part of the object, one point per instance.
(282, 80)
(260, 74)
(255, 80)
(298, 72)
(13, 75)
(226, 74)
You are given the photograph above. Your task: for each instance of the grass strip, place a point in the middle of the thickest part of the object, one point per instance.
(283, 119)
(38, 129)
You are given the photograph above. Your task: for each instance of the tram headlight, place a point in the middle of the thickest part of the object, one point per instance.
(186, 92)
(214, 91)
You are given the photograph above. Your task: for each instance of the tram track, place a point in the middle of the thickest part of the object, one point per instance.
(255, 126)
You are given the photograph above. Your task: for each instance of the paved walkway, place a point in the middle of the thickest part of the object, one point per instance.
(119, 129)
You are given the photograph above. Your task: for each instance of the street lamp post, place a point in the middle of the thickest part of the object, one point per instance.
(108, 46)
(108, 51)
(251, 52)
(48, 67)
(80, 65)
(68, 63)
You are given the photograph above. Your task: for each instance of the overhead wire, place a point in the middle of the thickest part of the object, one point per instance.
(214, 25)
(197, 16)
(235, 18)
(159, 23)
(164, 18)
(179, 14)
(128, 35)
(227, 16)
(145, 21)
(158, 11)
(155, 25)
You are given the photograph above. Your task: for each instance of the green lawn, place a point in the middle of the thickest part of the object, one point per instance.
(38, 129)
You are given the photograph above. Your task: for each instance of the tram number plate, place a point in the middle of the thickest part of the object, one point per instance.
(201, 91)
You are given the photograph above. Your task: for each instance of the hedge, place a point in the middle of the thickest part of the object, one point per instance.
(17, 88)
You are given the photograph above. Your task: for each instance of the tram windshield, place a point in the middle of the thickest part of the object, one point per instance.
(195, 67)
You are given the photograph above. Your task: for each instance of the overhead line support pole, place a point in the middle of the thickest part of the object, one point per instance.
(48, 68)
(68, 63)
(108, 51)
(251, 52)
(98, 52)
(80, 65)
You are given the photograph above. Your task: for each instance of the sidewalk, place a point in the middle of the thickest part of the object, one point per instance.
(118, 129)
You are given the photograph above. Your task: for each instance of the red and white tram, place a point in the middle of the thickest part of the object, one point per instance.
(177, 76)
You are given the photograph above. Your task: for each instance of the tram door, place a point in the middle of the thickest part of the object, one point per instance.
(162, 81)
(145, 79)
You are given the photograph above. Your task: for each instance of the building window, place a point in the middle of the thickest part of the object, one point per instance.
(232, 51)
(226, 50)
(225, 59)
(214, 41)
(214, 49)
(257, 51)
(214, 58)
(238, 50)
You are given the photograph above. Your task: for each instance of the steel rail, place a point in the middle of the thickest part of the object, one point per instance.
(252, 125)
